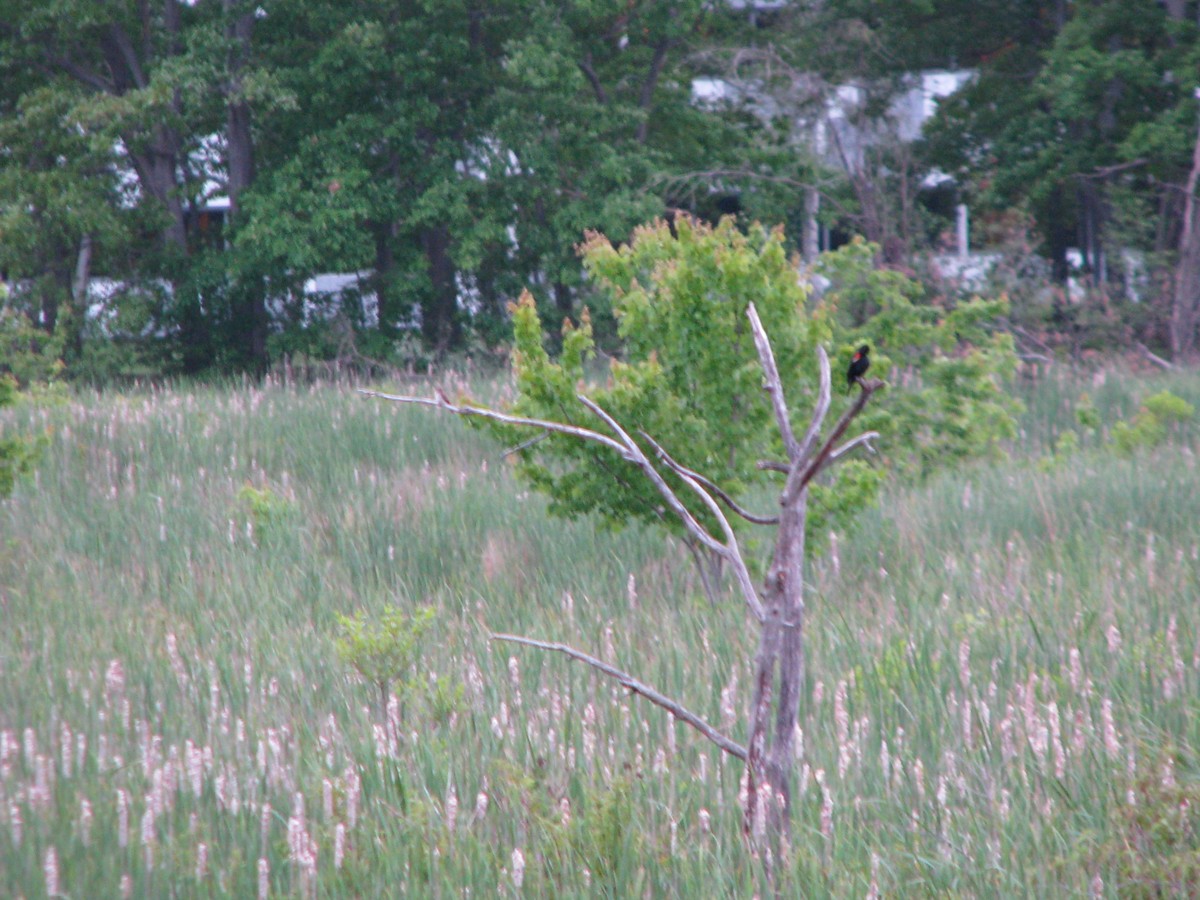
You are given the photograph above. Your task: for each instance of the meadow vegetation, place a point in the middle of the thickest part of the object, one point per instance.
(1002, 664)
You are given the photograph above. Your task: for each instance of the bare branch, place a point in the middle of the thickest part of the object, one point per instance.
(730, 550)
(1157, 360)
(628, 450)
(863, 439)
(773, 465)
(525, 445)
(773, 385)
(1102, 172)
(441, 402)
(646, 95)
(710, 486)
(671, 706)
(824, 398)
(636, 455)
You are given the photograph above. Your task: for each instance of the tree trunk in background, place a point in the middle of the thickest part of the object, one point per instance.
(156, 171)
(811, 241)
(439, 312)
(237, 111)
(157, 158)
(1186, 301)
(239, 141)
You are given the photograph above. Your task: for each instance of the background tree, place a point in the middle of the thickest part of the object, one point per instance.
(1089, 125)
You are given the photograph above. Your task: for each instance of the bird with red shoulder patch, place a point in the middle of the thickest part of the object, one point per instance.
(859, 363)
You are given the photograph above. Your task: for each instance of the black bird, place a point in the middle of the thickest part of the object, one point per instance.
(859, 364)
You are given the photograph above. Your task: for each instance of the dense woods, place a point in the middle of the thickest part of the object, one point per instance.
(198, 164)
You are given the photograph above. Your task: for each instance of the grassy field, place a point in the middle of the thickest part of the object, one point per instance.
(1003, 669)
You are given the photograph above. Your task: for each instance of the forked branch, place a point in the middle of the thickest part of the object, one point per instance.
(728, 550)
(714, 489)
(800, 476)
(684, 715)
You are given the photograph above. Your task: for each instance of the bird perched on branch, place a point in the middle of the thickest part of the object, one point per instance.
(859, 363)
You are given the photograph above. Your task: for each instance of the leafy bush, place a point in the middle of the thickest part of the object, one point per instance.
(17, 454)
(1149, 426)
(383, 652)
(268, 510)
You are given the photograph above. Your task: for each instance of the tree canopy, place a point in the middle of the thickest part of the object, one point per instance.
(209, 158)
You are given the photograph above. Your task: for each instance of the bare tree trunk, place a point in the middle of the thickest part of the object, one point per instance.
(779, 666)
(156, 165)
(239, 140)
(1186, 300)
(811, 244)
(83, 272)
(779, 673)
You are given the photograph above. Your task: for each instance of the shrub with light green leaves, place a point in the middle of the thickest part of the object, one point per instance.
(383, 651)
(689, 375)
(1149, 426)
(17, 454)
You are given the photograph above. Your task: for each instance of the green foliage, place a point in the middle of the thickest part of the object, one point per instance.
(1084, 124)
(1086, 413)
(602, 838)
(1169, 408)
(689, 374)
(383, 649)
(267, 509)
(947, 364)
(17, 454)
(29, 354)
(1149, 426)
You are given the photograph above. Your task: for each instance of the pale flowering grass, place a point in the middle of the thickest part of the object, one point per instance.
(1001, 676)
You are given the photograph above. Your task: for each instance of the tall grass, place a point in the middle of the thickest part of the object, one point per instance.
(1002, 669)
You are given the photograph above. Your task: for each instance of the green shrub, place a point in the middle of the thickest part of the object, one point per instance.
(17, 454)
(268, 510)
(1149, 427)
(383, 651)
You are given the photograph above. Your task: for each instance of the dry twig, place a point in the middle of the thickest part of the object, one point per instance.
(674, 708)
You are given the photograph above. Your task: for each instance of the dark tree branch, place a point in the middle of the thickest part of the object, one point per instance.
(80, 74)
(648, 86)
(638, 687)
(1103, 172)
(525, 445)
(801, 476)
(589, 72)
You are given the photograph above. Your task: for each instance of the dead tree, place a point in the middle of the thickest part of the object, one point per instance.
(778, 607)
